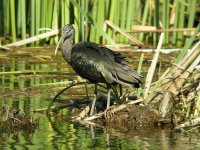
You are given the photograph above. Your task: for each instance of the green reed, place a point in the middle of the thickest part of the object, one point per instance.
(187, 45)
(13, 22)
(144, 17)
(165, 19)
(23, 18)
(156, 21)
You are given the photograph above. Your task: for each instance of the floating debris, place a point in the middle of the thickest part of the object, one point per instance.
(12, 119)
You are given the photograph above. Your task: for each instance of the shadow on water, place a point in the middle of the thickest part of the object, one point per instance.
(29, 78)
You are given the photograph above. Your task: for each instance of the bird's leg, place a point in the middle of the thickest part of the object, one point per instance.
(94, 100)
(86, 90)
(108, 101)
(120, 91)
(108, 98)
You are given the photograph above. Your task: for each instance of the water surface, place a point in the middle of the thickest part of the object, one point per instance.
(29, 78)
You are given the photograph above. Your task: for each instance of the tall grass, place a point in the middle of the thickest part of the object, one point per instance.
(22, 18)
(13, 22)
(156, 21)
(165, 20)
(37, 18)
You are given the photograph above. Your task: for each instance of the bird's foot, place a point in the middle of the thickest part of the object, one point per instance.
(108, 113)
(83, 113)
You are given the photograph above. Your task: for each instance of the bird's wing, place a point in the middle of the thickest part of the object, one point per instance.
(104, 64)
(104, 51)
(122, 74)
(118, 57)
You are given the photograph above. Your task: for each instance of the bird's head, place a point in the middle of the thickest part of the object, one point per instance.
(68, 30)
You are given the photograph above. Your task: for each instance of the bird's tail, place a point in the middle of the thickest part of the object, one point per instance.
(125, 76)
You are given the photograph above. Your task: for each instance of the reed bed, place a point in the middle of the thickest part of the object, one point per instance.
(177, 92)
(20, 19)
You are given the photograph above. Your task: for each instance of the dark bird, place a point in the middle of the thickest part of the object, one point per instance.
(97, 63)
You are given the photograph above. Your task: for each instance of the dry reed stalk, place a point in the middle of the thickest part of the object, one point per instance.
(104, 29)
(113, 110)
(34, 38)
(166, 104)
(191, 123)
(4, 48)
(185, 75)
(175, 88)
(130, 37)
(177, 71)
(176, 80)
(152, 67)
(138, 28)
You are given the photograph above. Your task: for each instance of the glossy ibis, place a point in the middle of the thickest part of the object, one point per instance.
(97, 63)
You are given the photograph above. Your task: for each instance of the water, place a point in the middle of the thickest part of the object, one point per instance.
(26, 77)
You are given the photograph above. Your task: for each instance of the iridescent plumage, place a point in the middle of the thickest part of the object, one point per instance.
(96, 62)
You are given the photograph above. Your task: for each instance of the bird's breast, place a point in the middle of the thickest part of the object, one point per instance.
(87, 68)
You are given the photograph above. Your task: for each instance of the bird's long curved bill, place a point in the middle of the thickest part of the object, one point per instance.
(59, 42)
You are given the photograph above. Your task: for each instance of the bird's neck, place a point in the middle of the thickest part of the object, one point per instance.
(67, 48)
